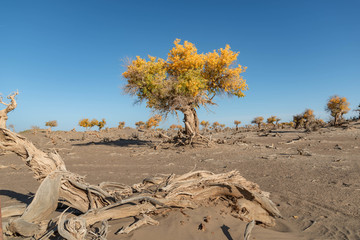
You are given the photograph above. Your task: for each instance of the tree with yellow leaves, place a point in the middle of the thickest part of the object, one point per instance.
(258, 121)
(101, 124)
(337, 106)
(84, 123)
(237, 123)
(205, 125)
(298, 120)
(51, 124)
(175, 126)
(94, 122)
(140, 125)
(185, 81)
(271, 120)
(215, 126)
(153, 122)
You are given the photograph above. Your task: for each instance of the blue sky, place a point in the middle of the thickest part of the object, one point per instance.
(66, 57)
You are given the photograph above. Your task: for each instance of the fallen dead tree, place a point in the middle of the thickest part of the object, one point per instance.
(109, 201)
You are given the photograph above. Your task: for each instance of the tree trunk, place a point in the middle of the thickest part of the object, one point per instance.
(9, 107)
(337, 118)
(191, 121)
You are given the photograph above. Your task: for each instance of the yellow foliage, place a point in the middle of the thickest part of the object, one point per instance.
(153, 122)
(140, 125)
(84, 123)
(101, 124)
(236, 122)
(291, 124)
(183, 58)
(215, 125)
(271, 120)
(174, 126)
(185, 75)
(257, 120)
(51, 123)
(94, 122)
(308, 114)
(338, 106)
(204, 123)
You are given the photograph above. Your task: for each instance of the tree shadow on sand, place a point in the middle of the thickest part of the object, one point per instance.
(287, 131)
(225, 230)
(118, 143)
(18, 196)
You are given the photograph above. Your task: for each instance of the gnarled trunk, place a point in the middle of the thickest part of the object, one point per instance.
(337, 118)
(191, 121)
(9, 107)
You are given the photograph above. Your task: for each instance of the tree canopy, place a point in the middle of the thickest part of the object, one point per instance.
(186, 80)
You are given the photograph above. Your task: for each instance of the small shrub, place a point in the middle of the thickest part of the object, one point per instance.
(35, 129)
(121, 125)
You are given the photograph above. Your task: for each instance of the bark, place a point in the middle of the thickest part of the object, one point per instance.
(191, 121)
(9, 107)
(337, 118)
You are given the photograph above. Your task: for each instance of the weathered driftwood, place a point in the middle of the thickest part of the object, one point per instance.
(145, 220)
(9, 107)
(41, 163)
(12, 211)
(115, 201)
(248, 230)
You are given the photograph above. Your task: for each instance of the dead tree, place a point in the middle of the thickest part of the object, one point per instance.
(108, 200)
(9, 107)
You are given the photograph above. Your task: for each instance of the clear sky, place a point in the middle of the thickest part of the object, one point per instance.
(66, 57)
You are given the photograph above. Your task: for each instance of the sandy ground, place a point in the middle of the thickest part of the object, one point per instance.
(312, 177)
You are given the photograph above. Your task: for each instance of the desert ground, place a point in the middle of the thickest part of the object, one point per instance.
(312, 177)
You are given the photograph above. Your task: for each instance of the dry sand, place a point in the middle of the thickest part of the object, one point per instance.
(312, 177)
